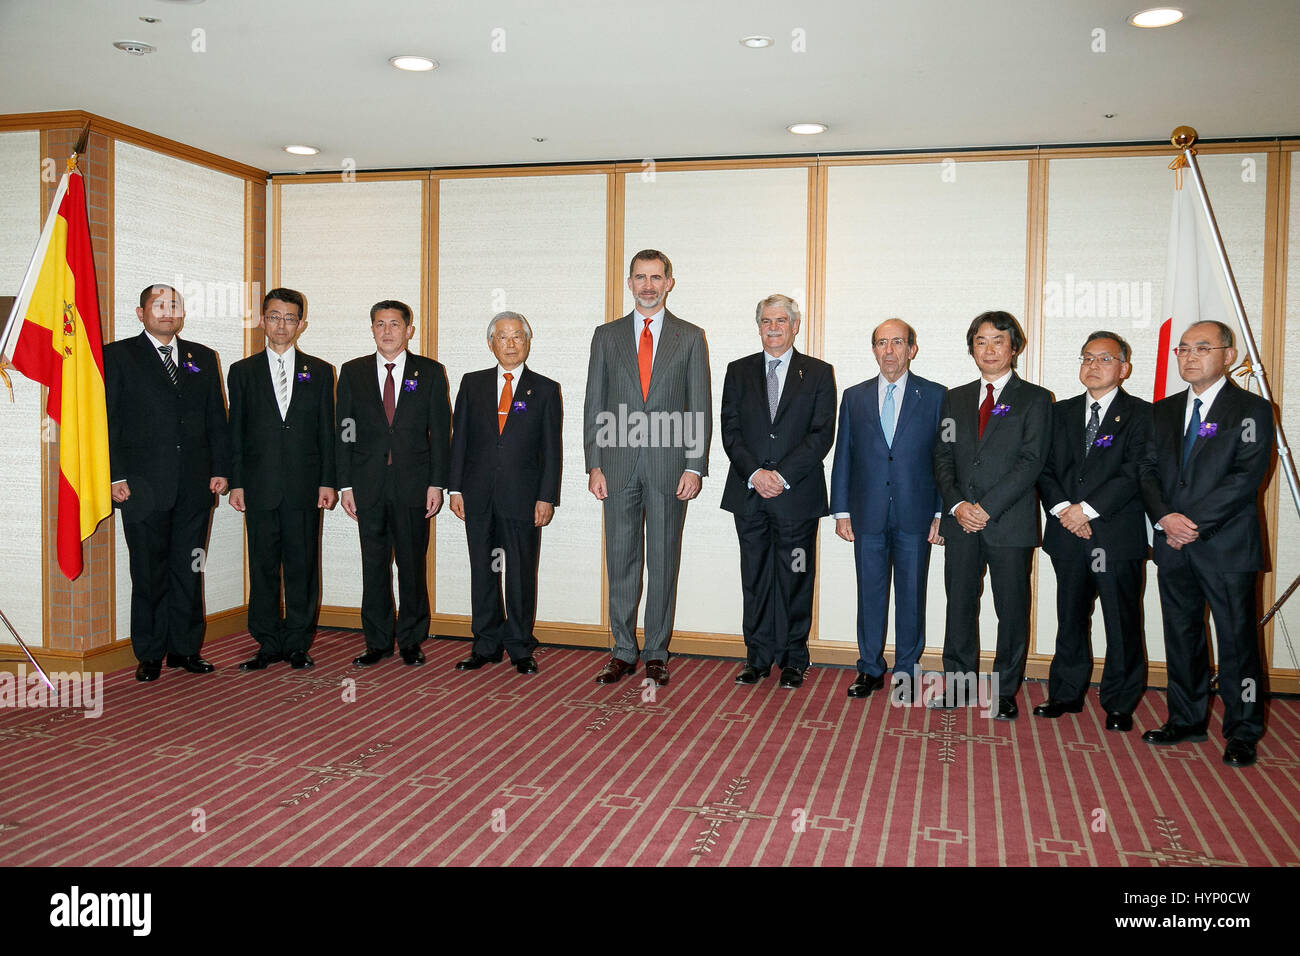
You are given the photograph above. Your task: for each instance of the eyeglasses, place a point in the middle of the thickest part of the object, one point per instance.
(280, 318)
(897, 343)
(518, 338)
(1200, 351)
(1105, 359)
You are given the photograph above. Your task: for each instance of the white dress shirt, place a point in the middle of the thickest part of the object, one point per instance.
(399, 369)
(1207, 398)
(273, 360)
(1104, 402)
(656, 329)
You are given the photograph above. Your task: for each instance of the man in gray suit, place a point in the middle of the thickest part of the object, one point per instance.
(646, 429)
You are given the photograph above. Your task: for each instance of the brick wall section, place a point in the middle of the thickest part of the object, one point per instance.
(79, 615)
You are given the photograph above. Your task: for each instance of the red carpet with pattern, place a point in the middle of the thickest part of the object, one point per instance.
(428, 765)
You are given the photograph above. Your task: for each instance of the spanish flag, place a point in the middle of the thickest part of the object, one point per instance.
(58, 345)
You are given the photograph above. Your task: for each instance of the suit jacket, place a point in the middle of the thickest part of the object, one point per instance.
(514, 468)
(1219, 487)
(794, 444)
(1106, 478)
(287, 459)
(679, 407)
(869, 474)
(998, 471)
(419, 438)
(168, 441)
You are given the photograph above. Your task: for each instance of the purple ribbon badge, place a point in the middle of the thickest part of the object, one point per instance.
(1104, 441)
(408, 384)
(519, 407)
(1001, 410)
(1208, 429)
(303, 376)
(189, 366)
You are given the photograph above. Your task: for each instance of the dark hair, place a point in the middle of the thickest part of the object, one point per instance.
(291, 296)
(147, 292)
(1225, 334)
(401, 307)
(1125, 353)
(1003, 322)
(649, 255)
(911, 332)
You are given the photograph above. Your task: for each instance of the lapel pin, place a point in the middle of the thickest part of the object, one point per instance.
(801, 374)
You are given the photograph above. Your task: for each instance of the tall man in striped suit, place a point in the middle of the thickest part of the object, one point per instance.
(647, 422)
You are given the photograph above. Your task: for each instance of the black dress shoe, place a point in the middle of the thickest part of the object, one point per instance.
(1115, 720)
(412, 656)
(191, 662)
(299, 660)
(657, 671)
(749, 674)
(1239, 753)
(614, 669)
(1172, 733)
(1055, 708)
(526, 666)
(148, 671)
(259, 662)
(791, 677)
(1007, 709)
(864, 684)
(474, 662)
(371, 656)
(902, 692)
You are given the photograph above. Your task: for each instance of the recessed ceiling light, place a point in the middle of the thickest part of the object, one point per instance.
(1156, 17)
(413, 64)
(807, 129)
(135, 47)
(1108, 115)
(150, 20)
(756, 42)
(539, 139)
(302, 150)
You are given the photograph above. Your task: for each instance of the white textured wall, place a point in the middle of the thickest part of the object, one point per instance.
(935, 244)
(734, 237)
(346, 246)
(1107, 242)
(1286, 629)
(20, 422)
(183, 225)
(534, 245)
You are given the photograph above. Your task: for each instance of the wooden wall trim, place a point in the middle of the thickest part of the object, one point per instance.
(63, 119)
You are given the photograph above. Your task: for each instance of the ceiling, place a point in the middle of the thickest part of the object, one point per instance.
(611, 80)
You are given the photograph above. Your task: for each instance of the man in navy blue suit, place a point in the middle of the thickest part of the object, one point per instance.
(885, 502)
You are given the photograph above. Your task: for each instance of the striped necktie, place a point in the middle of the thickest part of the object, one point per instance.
(168, 364)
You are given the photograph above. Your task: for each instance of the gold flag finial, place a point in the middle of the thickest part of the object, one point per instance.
(1183, 137)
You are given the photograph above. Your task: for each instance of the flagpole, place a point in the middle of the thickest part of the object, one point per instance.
(1184, 137)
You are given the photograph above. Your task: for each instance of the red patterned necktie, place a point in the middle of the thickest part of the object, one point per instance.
(986, 408)
(645, 358)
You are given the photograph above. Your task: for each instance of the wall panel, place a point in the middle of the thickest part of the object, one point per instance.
(534, 245)
(20, 422)
(1286, 627)
(734, 237)
(1107, 243)
(934, 244)
(183, 225)
(346, 246)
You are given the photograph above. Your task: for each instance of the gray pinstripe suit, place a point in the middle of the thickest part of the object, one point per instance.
(642, 478)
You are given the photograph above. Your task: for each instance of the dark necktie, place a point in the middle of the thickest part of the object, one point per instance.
(986, 408)
(1094, 426)
(1193, 427)
(390, 403)
(168, 364)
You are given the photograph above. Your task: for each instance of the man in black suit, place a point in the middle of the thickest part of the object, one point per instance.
(282, 429)
(993, 441)
(778, 424)
(1212, 447)
(506, 453)
(394, 428)
(169, 445)
(1096, 535)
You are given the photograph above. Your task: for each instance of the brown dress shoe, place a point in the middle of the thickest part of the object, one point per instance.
(614, 670)
(657, 671)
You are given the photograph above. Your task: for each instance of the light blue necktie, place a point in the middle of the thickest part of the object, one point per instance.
(887, 414)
